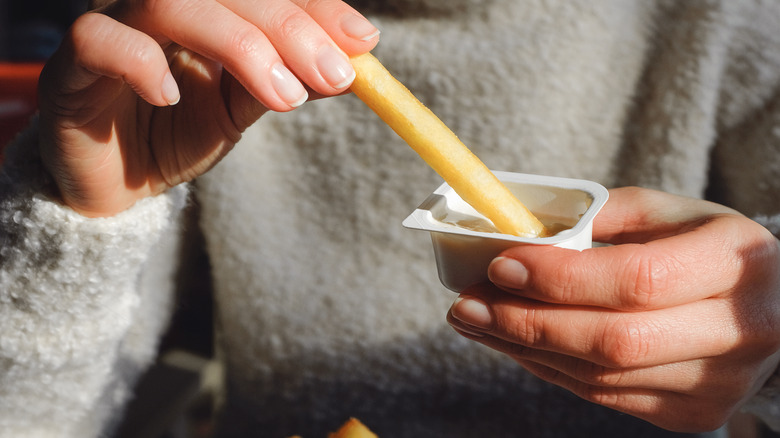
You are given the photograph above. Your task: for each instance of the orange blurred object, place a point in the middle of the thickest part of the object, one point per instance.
(18, 97)
(353, 428)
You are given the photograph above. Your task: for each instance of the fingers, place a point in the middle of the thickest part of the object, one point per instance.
(103, 47)
(684, 377)
(667, 409)
(348, 29)
(637, 215)
(269, 46)
(668, 395)
(607, 338)
(681, 377)
(212, 30)
(297, 42)
(662, 370)
(706, 257)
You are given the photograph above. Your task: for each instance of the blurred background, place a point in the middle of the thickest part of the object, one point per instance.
(177, 397)
(30, 30)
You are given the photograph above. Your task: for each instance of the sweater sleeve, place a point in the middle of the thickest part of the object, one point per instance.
(69, 298)
(766, 403)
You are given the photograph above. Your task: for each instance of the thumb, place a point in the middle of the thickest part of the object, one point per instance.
(662, 257)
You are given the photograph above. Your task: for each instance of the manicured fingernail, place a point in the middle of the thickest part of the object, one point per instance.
(334, 66)
(472, 311)
(287, 86)
(508, 272)
(357, 27)
(170, 90)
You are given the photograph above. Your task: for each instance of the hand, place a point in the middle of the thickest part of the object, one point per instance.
(144, 95)
(677, 323)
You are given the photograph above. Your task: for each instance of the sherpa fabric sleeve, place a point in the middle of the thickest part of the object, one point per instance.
(71, 302)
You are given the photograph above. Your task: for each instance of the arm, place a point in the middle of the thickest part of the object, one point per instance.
(140, 97)
(69, 293)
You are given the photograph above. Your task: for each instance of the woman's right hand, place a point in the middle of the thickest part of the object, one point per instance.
(146, 94)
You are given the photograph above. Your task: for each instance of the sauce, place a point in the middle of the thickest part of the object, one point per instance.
(554, 224)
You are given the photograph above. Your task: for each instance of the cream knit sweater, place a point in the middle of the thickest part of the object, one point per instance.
(327, 307)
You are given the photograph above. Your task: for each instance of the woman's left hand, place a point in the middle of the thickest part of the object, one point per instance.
(677, 322)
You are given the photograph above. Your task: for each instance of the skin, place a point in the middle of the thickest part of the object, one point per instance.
(677, 322)
(112, 132)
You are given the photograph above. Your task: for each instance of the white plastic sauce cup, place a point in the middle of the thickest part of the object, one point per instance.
(463, 255)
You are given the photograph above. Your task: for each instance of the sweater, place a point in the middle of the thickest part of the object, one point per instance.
(326, 307)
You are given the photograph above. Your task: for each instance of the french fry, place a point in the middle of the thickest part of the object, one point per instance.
(353, 428)
(441, 148)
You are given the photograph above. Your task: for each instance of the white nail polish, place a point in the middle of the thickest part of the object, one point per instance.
(357, 27)
(287, 86)
(170, 90)
(334, 66)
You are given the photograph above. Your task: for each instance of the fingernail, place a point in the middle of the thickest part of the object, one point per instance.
(505, 271)
(335, 67)
(472, 311)
(357, 27)
(287, 86)
(170, 90)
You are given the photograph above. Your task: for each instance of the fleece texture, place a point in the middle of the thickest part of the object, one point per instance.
(82, 302)
(326, 307)
(329, 308)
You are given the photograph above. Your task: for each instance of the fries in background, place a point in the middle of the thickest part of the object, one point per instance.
(353, 428)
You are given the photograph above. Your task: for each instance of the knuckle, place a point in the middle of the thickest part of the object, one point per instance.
(139, 54)
(307, 5)
(626, 343)
(244, 43)
(87, 27)
(528, 328)
(89, 30)
(290, 23)
(648, 277)
(567, 287)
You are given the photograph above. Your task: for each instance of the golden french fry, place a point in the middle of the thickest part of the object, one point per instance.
(353, 428)
(441, 148)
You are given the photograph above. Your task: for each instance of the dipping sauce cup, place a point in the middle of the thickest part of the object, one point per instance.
(465, 242)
